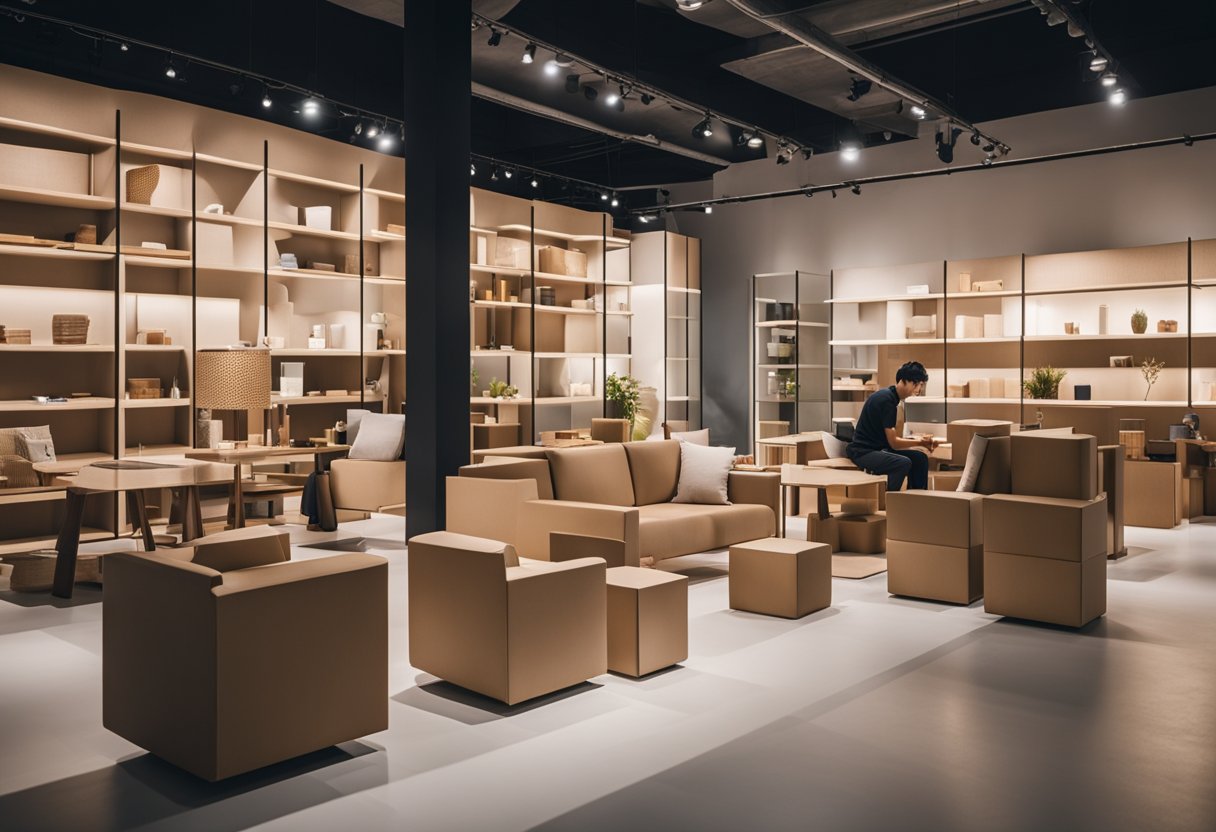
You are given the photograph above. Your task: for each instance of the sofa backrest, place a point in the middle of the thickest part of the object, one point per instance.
(242, 549)
(514, 468)
(995, 476)
(655, 470)
(594, 474)
(1061, 466)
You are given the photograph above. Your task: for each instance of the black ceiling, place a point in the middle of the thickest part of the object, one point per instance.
(1002, 62)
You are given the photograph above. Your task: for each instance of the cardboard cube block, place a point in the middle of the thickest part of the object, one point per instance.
(960, 431)
(512, 253)
(1045, 527)
(944, 480)
(977, 388)
(938, 573)
(824, 530)
(968, 326)
(647, 620)
(563, 261)
(781, 577)
(1052, 465)
(863, 534)
(994, 326)
(1152, 493)
(943, 518)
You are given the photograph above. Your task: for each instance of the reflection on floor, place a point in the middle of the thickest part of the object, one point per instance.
(878, 712)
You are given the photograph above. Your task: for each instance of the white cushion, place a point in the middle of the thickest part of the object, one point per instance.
(703, 474)
(975, 460)
(695, 437)
(381, 437)
(353, 418)
(833, 447)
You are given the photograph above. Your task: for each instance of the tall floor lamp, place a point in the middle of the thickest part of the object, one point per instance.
(233, 379)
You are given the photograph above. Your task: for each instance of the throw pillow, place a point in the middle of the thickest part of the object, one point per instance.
(975, 460)
(704, 471)
(353, 418)
(833, 447)
(381, 437)
(35, 450)
(695, 437)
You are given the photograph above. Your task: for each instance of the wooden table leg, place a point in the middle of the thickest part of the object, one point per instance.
(822, 495)
(784, 490)
(137, 508)
(68, 545)
(237, 512)
(192, 514)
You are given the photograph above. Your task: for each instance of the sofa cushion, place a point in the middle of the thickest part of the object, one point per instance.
(381, 437)
(975, 461)
(597, 474)
(695, 437)
(8, 437)
(655, 469)
(703, 474)
(667, 530)
(36, 450)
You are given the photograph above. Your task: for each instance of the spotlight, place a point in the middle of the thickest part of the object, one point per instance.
(551, 67)
(124, 47)
(647, 218)
(494, 173)
(535, 182)
(572, 83)
(755, 141)
(529, 54)
(833, 193)
(495, 37)
(709, 209)
(604, 196)
(782, 158)
(988, 160)
(612, 98)
(590, 92)
(358, 128)
(647, 98)
(1098, 63)
(615, 202)
(266, 102)
(887, 135)
(918, 112)
(784, 154)
(311, 107)
(704, 129)
(1108, 79)
(988, 148)
(975, 139)
(373, 130)
(850, 152)
(563, 61)
(945, 143)
(860, 87)
(170, 69)
(689, 5)
(508, 172)
(1118, 97)
(856, 188)
(472, 169)
(387, 140)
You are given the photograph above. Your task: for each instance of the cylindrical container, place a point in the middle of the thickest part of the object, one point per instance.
(772, 384)
(504, 289)
(1103, 316)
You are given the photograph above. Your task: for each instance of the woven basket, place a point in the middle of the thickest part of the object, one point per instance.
(141, 184)
(70, 329)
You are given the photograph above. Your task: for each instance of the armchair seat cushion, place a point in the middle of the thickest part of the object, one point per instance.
(669, 530)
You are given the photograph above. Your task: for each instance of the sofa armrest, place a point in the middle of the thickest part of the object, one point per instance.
(292, 572)
(564, 547)
(488, 508)
(755, 488)
(539, 518)
(366, 485)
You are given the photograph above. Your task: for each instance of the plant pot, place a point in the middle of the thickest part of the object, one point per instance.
(1139, 325)
(613, 409)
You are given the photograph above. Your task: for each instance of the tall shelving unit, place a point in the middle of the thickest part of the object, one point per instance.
(557, 353)
(666, 269)
(791, 371)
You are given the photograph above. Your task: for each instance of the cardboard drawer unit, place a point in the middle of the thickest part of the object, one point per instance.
(935, 545)
(1152, 494)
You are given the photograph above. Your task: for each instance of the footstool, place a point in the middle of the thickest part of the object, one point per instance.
(647, 620)
(780, 576)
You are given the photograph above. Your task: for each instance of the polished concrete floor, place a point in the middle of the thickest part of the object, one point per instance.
(877, 713)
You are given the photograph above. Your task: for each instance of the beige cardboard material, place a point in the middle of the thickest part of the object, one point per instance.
(1045, 527)
(780, 577)
(939, 573)
(1063, 466)
(1042, 589)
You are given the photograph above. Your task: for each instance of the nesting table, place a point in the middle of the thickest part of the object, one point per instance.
(821, 479)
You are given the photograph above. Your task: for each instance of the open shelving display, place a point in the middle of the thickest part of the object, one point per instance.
(791, 380)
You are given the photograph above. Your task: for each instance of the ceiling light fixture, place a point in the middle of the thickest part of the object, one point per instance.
(529, 54)
(604, 196)
(975, 139)
(709, 209)
(572, 83)
(494, 173)
(918, 112)
(945, 143)
(1098, 63)
(612, 98)
(647, 98)
(266, 101)
(615, 202)
(859, 87)
(535, 182)
(358, 127)
(170, 69)
(689, 5)
(373, 130)
(850, 152)
(551, 67)
(988, 160)
(755, 141)
(495, 37)
(311, 107)
(1118, 97)
(387, 140)
(590, 92)
(704, 129)
(472, 168)
(564, 61)
(856, 188)
(508, 172)
(1108, 79)
(124, 47)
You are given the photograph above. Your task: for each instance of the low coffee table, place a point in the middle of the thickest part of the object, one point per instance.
(821, 479)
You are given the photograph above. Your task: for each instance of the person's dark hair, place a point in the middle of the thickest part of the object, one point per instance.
(913, 371)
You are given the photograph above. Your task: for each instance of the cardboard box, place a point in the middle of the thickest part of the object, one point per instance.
(987, 285)
(563, 261)
(977, 388)
(996, 388)
(512, 253)
(1045, 527)
(944, 480)
(1061, 466)
(899, 314)
(922, 326)
(1044, 589)
(942, 518)
(864, 534)
(964, 281)
(823, 530)
(968, 326)
(1111, 475)
(960, 431)
(1192, 497)
(780, 577)
(994, 326)
(1152, 493)
(939, 573)
(1096, 420)
(647, 620)
(956, 391)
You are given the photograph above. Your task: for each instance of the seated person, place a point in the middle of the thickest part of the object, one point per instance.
(876, 449)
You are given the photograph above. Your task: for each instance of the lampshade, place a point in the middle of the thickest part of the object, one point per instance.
(234, 379)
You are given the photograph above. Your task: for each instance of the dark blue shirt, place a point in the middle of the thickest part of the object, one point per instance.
(879, 412)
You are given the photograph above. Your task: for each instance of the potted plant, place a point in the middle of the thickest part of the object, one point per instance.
(623, 394)
(1139, 322)
(502, 390)
(1044, 383)
(1151, 369)
(473, 377)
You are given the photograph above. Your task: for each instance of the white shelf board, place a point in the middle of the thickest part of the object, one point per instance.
(488, 400)
(625, 313)
(374, 353)
(90, 403)
(484, 268)
(311, 274)
(154, 347)
(617, 242)
(498, 353)
(247, 270)
(885, 343)
(1116, 337)
(1001, 293)
(102, 348)
(567, 399)
(302, 179)
(1113, 287)
(229, 219)
(854, 370)
(153, 262)
(628, 283)
(43, 196)
(683, 290)
(301, 353)
(87, 139)
(384, 236)
(156, 210)
(1003, 339)
(305, 231)
(208, 159)
(54, 253)
(567, 354)
(383, 194)
(886, 298)
(563, 278)
(776, 324)
(295, 401)
(142, 404)
(156, 152)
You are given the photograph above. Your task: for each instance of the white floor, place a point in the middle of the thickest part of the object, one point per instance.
(878, 712)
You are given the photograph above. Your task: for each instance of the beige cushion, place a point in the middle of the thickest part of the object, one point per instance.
(696, 437)
(242, 548)
(703, 474)
(667, 530)
(381, 437)
(591, 475)
(36, 450)
(655, 469)
(975, 460)
(8, 437)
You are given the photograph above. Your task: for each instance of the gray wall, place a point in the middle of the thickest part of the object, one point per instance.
(1136, 198)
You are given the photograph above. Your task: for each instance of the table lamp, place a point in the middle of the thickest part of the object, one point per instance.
(233, 379)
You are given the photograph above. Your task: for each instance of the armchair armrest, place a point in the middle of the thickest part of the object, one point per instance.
(539, 518)
(290, 572)
(565, 547)
(488, 508)
(755, 488)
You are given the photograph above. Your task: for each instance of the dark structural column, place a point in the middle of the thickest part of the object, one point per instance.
(437, 92)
